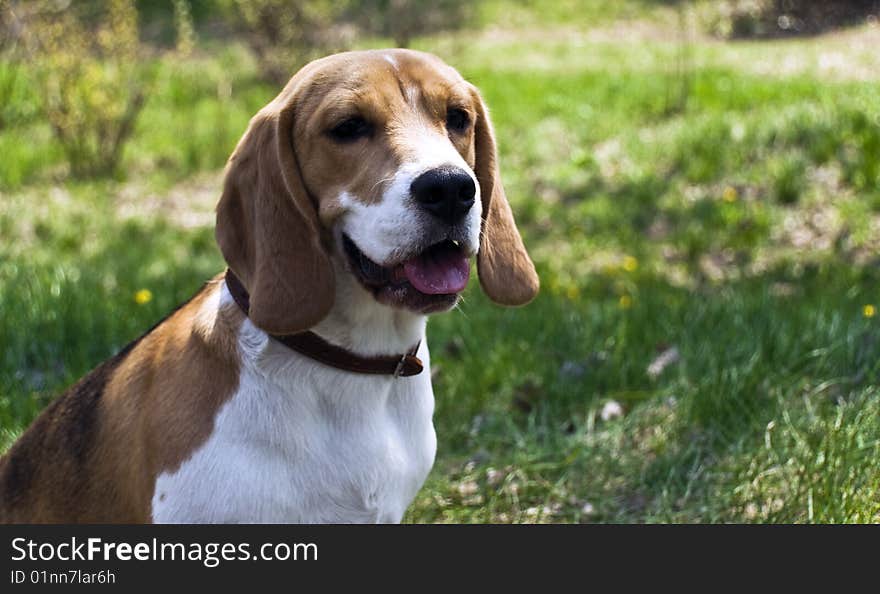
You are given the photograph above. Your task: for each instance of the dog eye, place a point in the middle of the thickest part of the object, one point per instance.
(351, 129)
(457, 120)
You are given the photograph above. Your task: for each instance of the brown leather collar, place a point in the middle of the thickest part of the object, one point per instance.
(313, 346)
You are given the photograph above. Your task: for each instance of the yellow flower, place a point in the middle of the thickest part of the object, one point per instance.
(573, 292)
(625, 302)
(143, 296)
(869, 311)
(729, 194)
(630, 263)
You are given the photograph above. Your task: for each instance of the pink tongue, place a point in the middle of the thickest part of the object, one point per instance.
(439, 271)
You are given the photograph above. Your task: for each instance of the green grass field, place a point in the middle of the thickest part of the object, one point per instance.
(715, 203)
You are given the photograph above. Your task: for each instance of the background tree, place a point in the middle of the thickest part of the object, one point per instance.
(86, 63)
(774, 18)
(284, 35)
(402, 20)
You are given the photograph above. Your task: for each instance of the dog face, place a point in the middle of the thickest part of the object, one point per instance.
(387, 151)
(385, 161)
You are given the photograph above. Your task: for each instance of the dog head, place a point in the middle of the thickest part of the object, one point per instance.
(384, 161)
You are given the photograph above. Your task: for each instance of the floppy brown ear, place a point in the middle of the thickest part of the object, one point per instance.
(267, 226)
(506, 272)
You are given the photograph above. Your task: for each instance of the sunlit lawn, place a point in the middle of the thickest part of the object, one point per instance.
(695, 202)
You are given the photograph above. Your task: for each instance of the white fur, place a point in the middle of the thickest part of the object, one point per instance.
(388, 229)
(303, 442)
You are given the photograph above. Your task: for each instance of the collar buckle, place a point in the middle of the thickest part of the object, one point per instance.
(400, 365)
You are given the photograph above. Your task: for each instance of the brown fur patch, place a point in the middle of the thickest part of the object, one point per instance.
(94, 454)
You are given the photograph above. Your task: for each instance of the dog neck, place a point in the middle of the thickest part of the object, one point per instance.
(361, 324)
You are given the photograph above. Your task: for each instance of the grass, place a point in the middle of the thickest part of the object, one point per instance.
(726, 209)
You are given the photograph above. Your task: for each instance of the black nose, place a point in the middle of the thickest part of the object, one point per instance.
(446, 192)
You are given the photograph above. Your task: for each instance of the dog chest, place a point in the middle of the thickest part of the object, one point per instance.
(354, 449)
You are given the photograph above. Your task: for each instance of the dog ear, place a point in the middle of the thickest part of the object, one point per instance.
(267, 225)
(506, 272)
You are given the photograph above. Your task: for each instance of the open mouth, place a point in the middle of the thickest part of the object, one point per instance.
(428, 282)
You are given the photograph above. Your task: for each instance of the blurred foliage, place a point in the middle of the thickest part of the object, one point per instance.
(775, 18)
(403, 20)
(13, 106)
(184, 29)
(87, 64)
(160, 19)
(284, 35)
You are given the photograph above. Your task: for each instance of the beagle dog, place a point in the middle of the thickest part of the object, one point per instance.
(296, 386)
